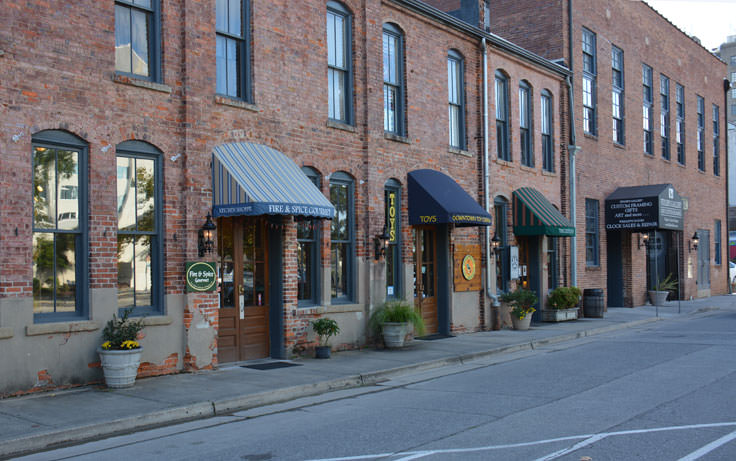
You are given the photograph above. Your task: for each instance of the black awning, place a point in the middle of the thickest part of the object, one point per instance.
(644, 208)
(435, 198)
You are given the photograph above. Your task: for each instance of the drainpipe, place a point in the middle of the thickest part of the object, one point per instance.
(487, 177)
(573, 149)
(726, 87)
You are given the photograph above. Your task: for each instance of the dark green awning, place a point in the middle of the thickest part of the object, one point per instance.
(535, 215)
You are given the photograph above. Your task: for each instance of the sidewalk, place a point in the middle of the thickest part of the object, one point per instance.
(41, 421)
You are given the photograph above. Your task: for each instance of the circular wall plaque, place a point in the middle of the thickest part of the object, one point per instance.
(468, 267)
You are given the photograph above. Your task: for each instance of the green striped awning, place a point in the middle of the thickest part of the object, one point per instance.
(535, 215)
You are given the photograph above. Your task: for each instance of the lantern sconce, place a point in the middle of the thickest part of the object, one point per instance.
(204, 240)
(380, 243)
(642, 240)
(496, 243)
(692, 244)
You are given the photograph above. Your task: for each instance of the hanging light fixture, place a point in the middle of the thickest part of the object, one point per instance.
(204, 240)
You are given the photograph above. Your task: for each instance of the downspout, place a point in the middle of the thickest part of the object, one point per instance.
(487, 178)
(726, 87)
(573, 149)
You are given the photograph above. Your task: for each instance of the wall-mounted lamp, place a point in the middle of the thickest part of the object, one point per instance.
(380, 243)
(692, 244)
(642, 240)
(496, 243)
(204, 240)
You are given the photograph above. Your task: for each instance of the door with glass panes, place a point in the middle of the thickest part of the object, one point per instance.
(425, 276)
(243, 326)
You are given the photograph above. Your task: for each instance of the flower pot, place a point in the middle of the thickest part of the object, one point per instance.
(559, 315)
(658, 298)
(521, 324)
(322, 352)
(120, 367)
(394, 334)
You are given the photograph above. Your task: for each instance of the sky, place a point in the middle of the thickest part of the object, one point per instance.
(709, 20)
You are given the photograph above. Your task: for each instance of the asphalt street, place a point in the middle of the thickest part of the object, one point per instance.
(661, 392)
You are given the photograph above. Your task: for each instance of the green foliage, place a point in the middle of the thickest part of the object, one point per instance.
(668, 284)
(564, 297)
(396, 312)
(122, 333)
(325, 329)
(521, 300)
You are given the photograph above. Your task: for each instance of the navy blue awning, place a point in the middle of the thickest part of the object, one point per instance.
(253, 179)
(435, 198)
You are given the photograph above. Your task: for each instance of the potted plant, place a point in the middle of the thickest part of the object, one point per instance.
(662, 289)
(325, 329)
(562, 304)
(120, 353)
(521, 301)
(392, 320)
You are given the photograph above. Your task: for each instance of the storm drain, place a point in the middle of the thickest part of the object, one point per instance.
(271, 365)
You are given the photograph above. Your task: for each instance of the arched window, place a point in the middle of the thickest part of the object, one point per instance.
(525, 124)
(502, 117)
(339, 62)
(394, 87)
(456, 99)
(548, 151)
(60, 232)
(392, 193)
(140, 215)
(342, 237)
(308, 254)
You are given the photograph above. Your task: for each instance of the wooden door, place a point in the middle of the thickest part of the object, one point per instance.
(244, 303)
(425, 276)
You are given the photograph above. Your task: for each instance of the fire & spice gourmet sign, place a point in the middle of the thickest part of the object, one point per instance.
(201, 277)
(642, 208)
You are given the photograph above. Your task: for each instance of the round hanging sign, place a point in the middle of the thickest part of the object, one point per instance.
(468, 267)
(201, 276)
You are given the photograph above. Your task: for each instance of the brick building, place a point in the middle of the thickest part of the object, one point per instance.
(648, 116)
(304, 136)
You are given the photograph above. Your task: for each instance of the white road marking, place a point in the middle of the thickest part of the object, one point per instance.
(710, 447)
(588, 439)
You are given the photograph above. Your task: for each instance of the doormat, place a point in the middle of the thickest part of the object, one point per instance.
(434, 336)
(271, 365)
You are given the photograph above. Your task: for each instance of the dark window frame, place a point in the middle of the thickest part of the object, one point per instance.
(701, 133)
(592, 233)
(394, 249)
(456, 98)
(717, 244)
(526, 124)
(716, 140)
(398, 86)
(343, 179)
(590, 108)
(680, 123)
(664, 116)
(315, 241)
(346, 71)
(547, 130)
(618, 111)
(142, 150)
(243, 90)
(62, 140)
(502, 118)
(500, 210)
(155, 72)
(647, 103)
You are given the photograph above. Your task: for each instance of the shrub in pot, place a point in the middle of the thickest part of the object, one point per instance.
(391, 321)
(562, 303)
(325, 329)
(120, 353)
(662, 289)
(521, 301)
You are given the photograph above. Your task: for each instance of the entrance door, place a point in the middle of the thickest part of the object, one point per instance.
(243, 331)
(704, 260)
(425, 276)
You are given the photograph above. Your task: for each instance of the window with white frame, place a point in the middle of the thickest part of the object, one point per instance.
(589, 82)
(339, 63)
(525, 124)
(617, 94)
(548, 152)
(456, 99)
(647, 98)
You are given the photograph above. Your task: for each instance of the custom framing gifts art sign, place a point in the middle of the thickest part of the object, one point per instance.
(201, 277)
(641, 208)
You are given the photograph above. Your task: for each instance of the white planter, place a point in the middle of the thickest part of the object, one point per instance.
(394, 334)
(658, 298)
(120, 367)
(521, 324)
(559, 315)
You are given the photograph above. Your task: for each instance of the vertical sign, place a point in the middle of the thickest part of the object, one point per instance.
(515, 269)
(391, 215)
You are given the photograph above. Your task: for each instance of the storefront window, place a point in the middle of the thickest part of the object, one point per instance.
(308, 237)
(341, 233)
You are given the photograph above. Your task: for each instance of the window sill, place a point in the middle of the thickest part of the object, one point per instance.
(619, 145)
(61, 327)
(648, 155)
(666, 160)
(6, 333)
(681, 165)
(232, 102)
(341, 126)
(341, 308)
(397, 138)
(126, 80)
(529, 169)
(504, 162)
(157, 320)
(593, 268)
(549, 173)
(455, 150)
(591, 136)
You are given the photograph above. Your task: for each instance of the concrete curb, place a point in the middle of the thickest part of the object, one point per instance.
(209, 409)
